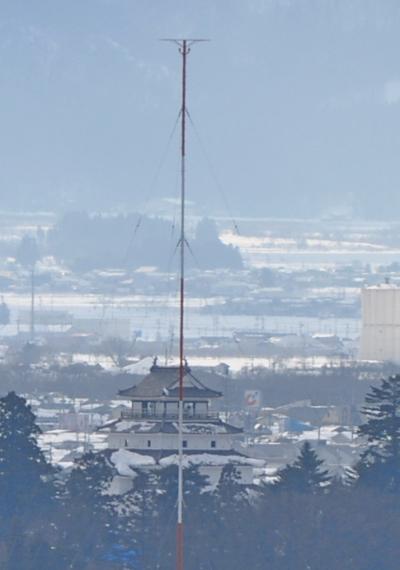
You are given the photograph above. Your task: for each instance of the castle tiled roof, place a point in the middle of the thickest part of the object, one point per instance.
(216, 427)
(162, 382)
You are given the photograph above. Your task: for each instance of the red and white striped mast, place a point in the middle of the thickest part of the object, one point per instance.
(184, 49)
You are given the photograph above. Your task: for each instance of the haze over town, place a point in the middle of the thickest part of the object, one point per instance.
(199, 285)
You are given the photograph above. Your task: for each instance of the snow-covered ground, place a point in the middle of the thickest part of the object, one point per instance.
(300, 252)
(62, 446)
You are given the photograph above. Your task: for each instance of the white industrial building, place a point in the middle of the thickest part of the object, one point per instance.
(380, 334)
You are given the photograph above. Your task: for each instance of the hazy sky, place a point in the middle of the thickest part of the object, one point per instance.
(297, 103)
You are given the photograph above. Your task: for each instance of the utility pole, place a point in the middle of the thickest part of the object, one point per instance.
(184, 46)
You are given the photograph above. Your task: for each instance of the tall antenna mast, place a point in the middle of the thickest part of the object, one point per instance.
(184, 46)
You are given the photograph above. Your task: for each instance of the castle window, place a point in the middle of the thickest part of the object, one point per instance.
(126, 443)
(184, 443)
(213, 443)
(149, 443)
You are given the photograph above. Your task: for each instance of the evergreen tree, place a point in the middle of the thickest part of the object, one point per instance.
(229, 539)
(150, 514)
(32, 548)
(199, 513)
(25, 476)
(89, 519)
(4, 314)
(211, 252)
(140, 525)
(230, 490)
(28, 252)
(28, 534)
(380, 462)
(167, 510)
(305, 475)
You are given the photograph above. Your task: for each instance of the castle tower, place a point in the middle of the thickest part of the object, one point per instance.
(147, 434)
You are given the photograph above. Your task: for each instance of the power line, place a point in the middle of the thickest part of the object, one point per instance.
(213, 174)
(152, 187)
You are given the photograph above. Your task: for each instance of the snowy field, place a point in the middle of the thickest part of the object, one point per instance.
(276, 251)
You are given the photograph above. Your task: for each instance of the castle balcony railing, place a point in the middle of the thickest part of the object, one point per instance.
(159, 416)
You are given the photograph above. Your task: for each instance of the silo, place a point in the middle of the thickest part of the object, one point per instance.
(380, 334)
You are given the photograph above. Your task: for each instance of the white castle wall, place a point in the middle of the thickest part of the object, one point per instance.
(168, 441)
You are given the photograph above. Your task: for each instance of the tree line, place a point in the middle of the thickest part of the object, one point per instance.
(305, 520)
(86, 242)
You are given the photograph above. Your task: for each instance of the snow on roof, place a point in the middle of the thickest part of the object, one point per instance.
(47, 413)
(57, 455)
(66, 464)
(125, 460)
(127, 426)
(65, 399)
(160, 425)
(33, 401)
(211, 459)
(326, 433)
(210, 428)
(140, 368)
(120, 403)
(57, 436)
(62, 436)
(380, 286)
(92, 406)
